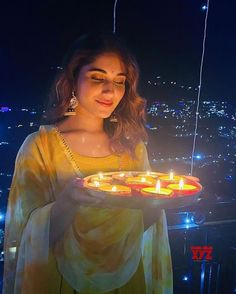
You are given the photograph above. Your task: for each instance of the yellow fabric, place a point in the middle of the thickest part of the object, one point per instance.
(102, 251)
(135, 285)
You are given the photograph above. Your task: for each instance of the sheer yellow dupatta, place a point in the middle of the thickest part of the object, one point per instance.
(99, 252)
(29, 202)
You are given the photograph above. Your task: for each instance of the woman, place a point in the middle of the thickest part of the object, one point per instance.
(58, 238)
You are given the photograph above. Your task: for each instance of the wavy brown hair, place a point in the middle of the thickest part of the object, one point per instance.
(130, 112)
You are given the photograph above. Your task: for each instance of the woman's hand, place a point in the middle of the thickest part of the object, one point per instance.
(76, 194)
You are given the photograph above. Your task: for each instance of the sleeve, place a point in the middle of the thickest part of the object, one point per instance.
(30, 194)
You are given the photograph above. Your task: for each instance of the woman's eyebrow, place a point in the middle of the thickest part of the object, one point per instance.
(103, 71)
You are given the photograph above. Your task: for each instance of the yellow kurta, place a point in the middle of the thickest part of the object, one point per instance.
(103, 251)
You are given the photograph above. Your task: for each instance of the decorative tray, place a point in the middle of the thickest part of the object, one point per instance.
(136, 189)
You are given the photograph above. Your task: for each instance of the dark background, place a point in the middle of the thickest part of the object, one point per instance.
(166, 37)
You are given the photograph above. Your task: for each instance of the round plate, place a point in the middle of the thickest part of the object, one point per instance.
(136, 200)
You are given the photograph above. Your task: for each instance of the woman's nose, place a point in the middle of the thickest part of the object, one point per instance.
(108, 86)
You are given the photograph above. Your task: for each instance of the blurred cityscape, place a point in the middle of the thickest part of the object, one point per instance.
(171, 126)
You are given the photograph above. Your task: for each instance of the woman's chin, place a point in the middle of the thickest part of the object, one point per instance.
(104, 115)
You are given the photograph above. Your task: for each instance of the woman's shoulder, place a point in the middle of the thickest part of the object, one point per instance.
(38, 138)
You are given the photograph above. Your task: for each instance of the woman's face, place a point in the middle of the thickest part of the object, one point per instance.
(101, 85)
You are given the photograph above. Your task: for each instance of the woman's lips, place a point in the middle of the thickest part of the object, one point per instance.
(105, 103)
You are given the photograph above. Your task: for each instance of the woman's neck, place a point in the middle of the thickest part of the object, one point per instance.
(82, 123)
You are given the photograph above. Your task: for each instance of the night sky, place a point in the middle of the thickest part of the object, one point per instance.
(166, 37)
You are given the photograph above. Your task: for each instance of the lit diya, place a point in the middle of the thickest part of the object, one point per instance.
(137, 183)
(121, 176)
(191, 178)
(156, 191)
(96, 185)
(118, 190)
(101, 178)
(170, 178)
(150, 174)
(140, 180)
(182, 188)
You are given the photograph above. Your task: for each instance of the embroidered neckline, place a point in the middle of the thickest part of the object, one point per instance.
(67, 150)
(70, 154)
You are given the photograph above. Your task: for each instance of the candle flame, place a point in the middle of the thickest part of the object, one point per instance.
(158, 186)
(100, 175)
(122, 175)
(181, 183)
(148, 173)
(96, 183)
(171, 176)
(114, 189)
(143, 180)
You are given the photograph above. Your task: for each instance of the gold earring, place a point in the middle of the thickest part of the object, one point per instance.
(71, 110)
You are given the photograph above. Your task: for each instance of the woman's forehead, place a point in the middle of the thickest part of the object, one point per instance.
(109, 61)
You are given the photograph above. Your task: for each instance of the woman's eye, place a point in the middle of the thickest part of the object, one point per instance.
(102, 80)
(99, 79)
(119, 83)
